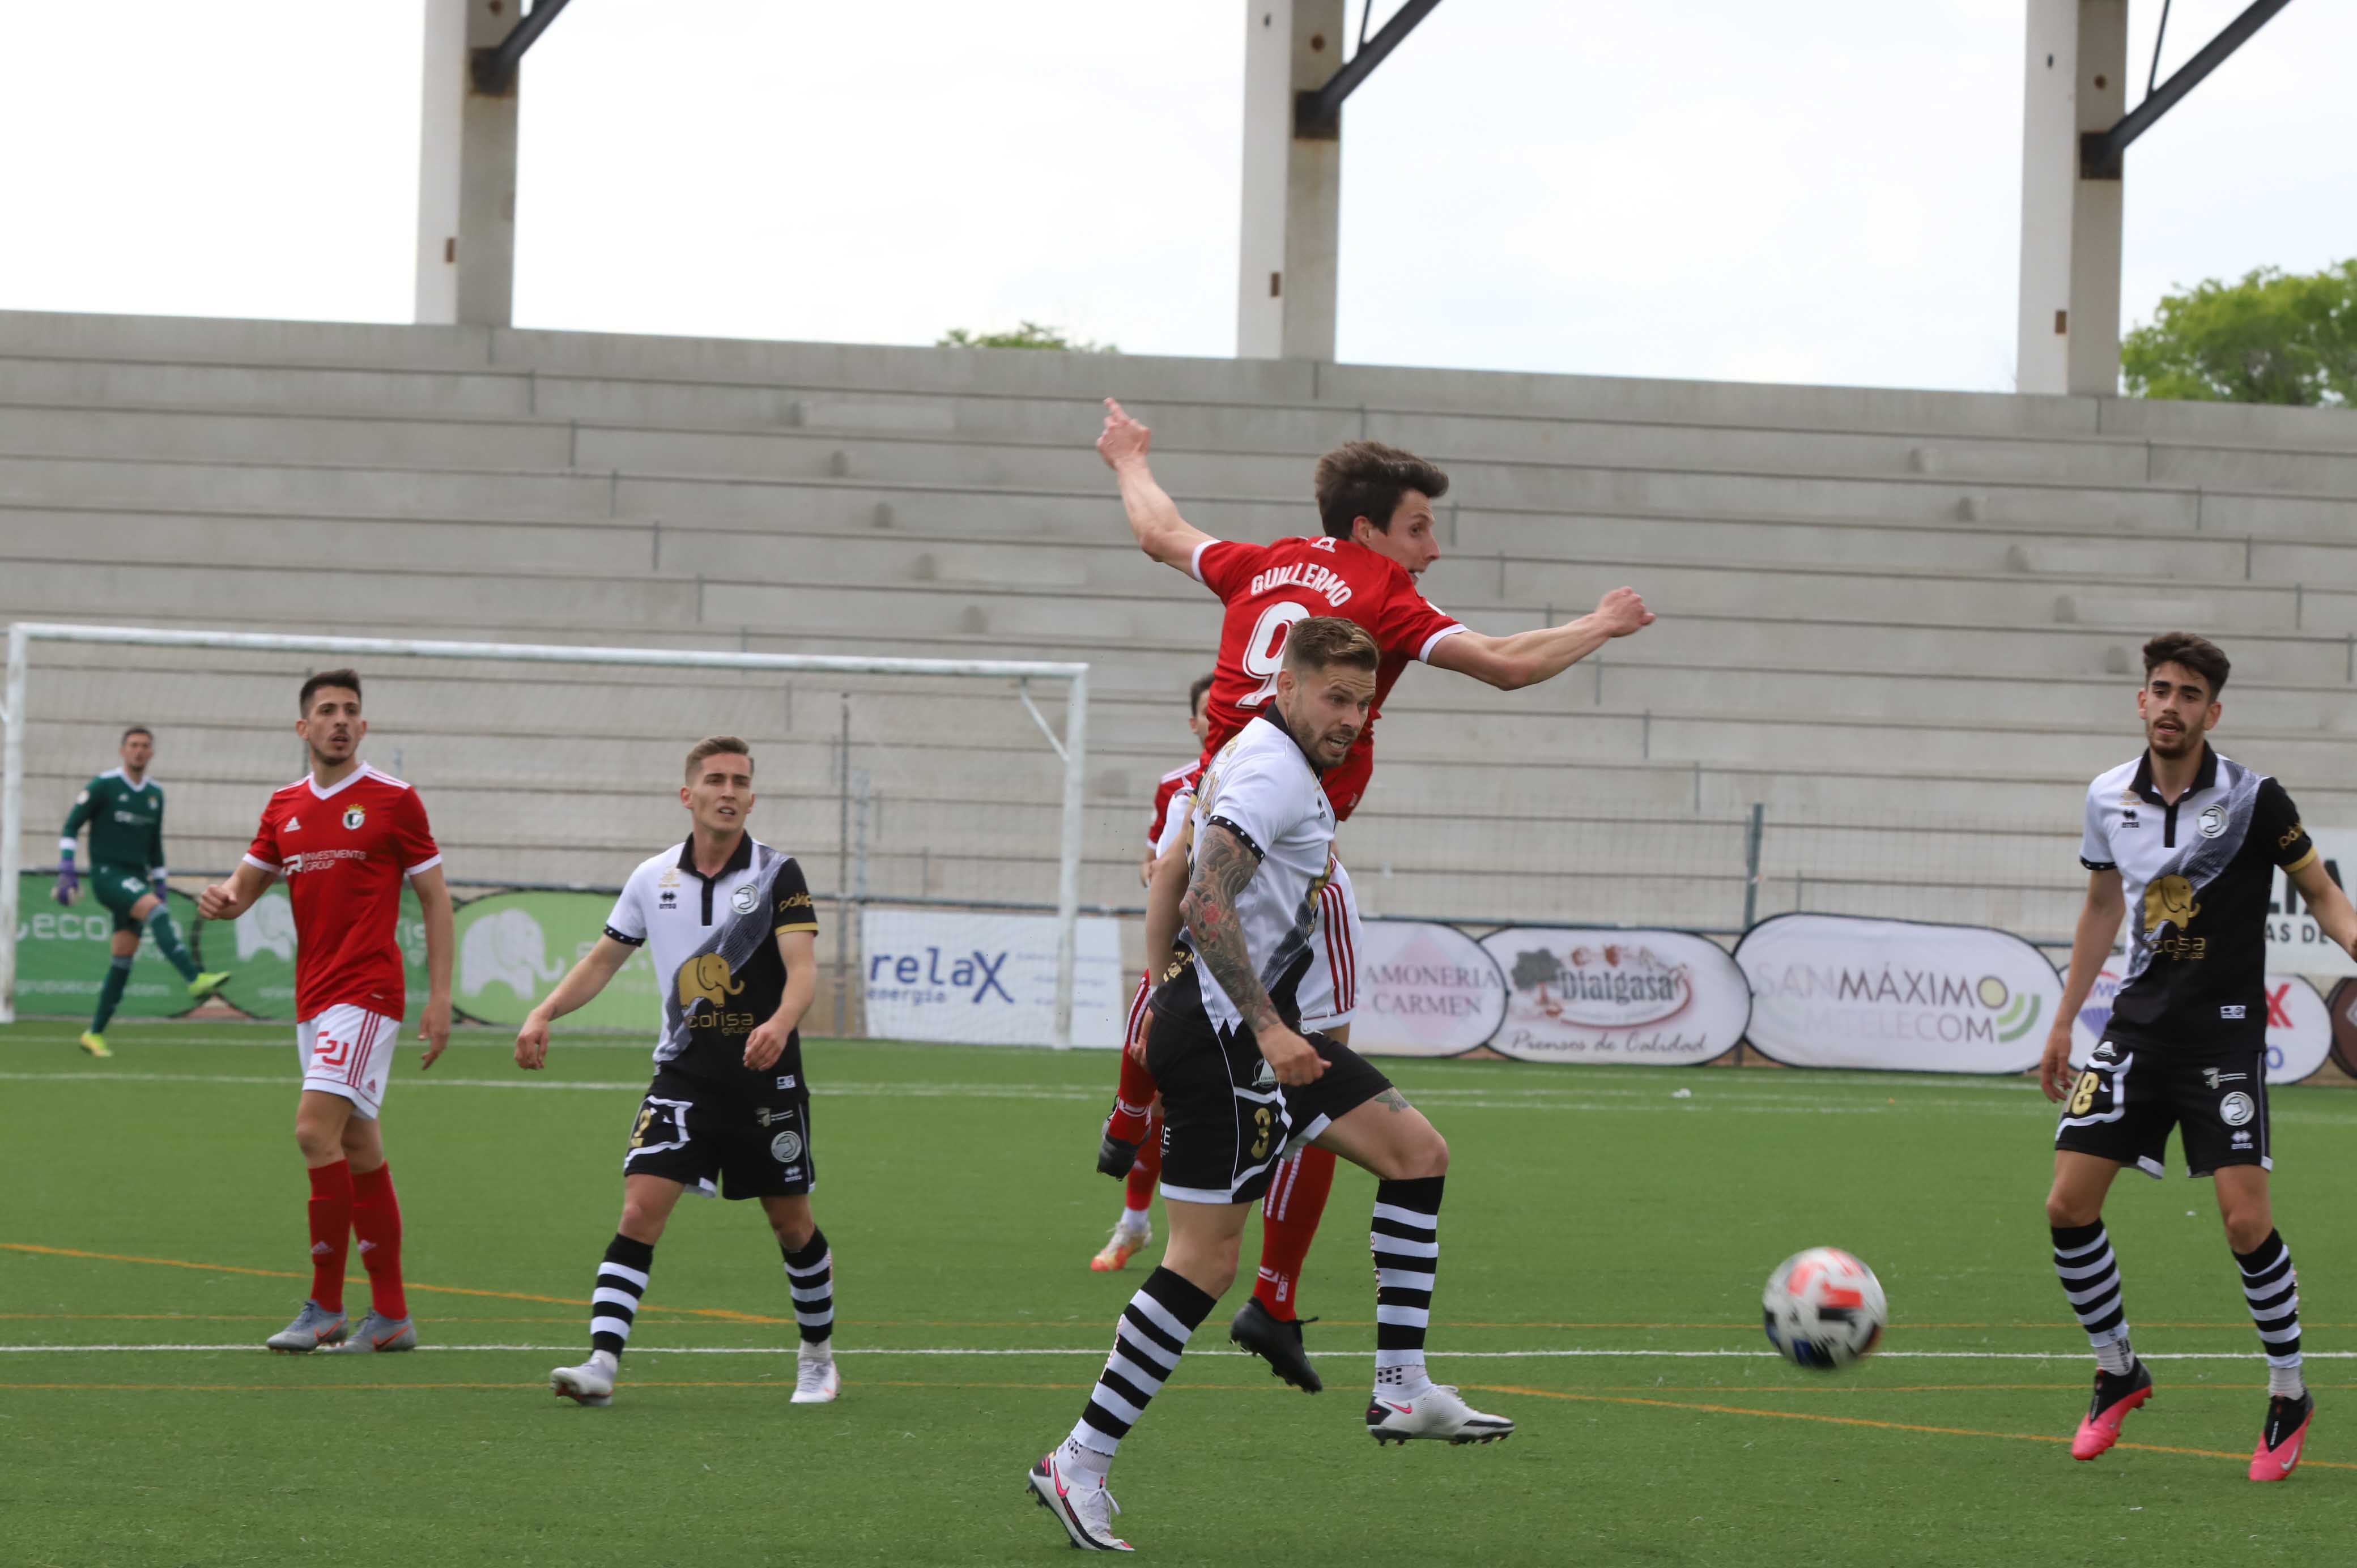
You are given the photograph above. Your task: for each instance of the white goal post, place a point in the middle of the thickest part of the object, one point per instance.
(1072, 748)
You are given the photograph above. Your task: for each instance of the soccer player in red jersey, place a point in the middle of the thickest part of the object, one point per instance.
(1375, 503)
(345, 837)
(1134, 1230)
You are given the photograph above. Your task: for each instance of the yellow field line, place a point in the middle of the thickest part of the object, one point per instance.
(1862, 1421)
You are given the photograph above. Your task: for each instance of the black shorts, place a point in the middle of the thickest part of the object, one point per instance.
(722, 1140)
(2129, 1095)
(1225, 1119)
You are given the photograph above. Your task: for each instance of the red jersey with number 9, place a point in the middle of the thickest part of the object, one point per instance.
(1270, 587)
(345, 851)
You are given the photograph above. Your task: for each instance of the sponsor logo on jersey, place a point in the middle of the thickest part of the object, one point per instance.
(2128, 819)
(2234, 1011)
(785, 1081)
(83, 798)
(745, 899)
(2169, 901)
(353, 817)
(670, 878)
(2213, 820)
(2236, 1109)
(706, 978)
(294, 824)
(786, 1147)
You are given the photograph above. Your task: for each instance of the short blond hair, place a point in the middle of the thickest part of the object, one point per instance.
(718, 746)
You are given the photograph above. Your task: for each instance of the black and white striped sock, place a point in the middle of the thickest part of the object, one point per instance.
(1147, 1342)
(2090, 1274)
(1405, 1240)
(614, 1304)
(809, 1275)
(2271, 1288)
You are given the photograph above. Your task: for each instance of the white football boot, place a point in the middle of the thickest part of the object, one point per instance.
(1438, 1413)
(315, 1327)
(815, 1380)
(590, 1383)
(1079, 1502)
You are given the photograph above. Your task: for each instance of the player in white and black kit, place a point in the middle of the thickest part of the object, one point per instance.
(1238, 1083)
(729, 924)
(2189, 841)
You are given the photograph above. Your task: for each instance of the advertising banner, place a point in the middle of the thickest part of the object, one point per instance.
(2300, 1029)
(2295, 946)
(62, 954)
(512, 947)
(1900, 995)
(1659, 998)
(1424, 989)
(259, 947)
(990, 980)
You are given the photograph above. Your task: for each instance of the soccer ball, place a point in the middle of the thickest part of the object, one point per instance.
(1824, 1309)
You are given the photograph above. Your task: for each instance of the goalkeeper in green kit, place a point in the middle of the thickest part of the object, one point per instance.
(125, 810)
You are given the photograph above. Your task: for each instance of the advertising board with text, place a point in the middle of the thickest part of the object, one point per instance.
(63, 951)
(1589, 995)
(2295, 945)
(1424, 989)
(990, 980)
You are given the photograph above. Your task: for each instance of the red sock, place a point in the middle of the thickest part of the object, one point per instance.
(1148, 1170)
(1288, 1223)
(376, 1220)
(1137, 1091)
(331, 1229)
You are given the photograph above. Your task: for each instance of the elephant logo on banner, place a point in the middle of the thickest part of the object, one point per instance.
(706, 978)
(268, 927)
(505, 949)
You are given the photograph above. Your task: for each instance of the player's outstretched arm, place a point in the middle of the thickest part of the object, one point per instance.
(434, 903)
(587, 978)
(2091, 944)
(1223, 864)
(767, 1042)
(1154, 516)
(2334, 916)
(228, 900)
(1527, 658)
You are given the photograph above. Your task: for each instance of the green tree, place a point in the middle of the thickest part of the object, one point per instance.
(2268, 338)
(1026, 335)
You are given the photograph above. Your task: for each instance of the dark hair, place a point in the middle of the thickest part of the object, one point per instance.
(2199, 654)
(1367, 479)
(136, 729)
(718, 746)
(1323, 641)
(349, 680)
(1195, 694)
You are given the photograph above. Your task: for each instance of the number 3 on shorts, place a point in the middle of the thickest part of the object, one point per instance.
(2083, 1098)
(1265, 651)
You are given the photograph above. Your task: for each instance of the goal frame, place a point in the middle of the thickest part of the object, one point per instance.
(1072, 748)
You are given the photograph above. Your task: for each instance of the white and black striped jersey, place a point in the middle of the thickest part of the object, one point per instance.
(715, 946)
(1261, 788)
(2197, 873)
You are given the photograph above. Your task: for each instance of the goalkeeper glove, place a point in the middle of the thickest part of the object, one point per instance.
(68, 885)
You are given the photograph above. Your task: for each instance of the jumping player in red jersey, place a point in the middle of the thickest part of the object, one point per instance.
(344, 838)
(1375, 503)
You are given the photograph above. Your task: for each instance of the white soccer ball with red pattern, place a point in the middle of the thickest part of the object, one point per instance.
(1824, 1309)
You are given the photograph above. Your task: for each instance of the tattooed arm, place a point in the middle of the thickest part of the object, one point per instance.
(1223, 865)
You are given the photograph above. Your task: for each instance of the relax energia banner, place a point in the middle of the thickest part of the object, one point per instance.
(989, 980)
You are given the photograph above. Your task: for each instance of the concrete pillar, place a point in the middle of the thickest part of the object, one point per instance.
(466, 171)
(2068, 329)
(1292, 187)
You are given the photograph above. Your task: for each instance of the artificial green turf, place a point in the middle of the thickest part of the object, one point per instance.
(1587, 1209)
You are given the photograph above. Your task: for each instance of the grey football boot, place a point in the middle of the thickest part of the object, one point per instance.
(376, 1334)
(315, 1327)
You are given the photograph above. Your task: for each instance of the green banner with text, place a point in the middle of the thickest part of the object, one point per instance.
(63, 953)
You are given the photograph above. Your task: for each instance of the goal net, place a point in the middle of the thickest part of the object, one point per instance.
(935, 806)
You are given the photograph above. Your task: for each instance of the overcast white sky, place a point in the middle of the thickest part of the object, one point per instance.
(1819, 190)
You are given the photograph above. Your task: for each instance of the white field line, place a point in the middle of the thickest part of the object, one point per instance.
(1098, 1352)
(1805, 1103)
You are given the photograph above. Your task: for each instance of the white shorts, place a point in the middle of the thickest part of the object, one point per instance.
(348, 1051)
(1329, 993)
